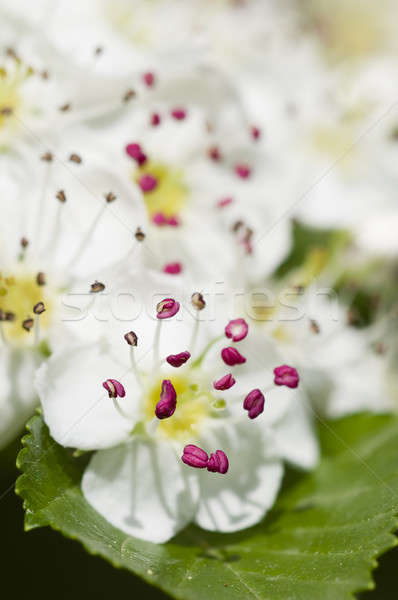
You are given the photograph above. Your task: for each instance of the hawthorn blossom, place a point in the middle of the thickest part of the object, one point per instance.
(173, 440)
(74, 220)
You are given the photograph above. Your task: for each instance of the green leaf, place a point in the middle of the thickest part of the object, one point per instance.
(321, 540)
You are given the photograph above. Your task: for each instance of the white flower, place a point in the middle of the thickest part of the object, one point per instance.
(136, 478)
(210, 190)
(43, 91)
(49, 238)
(343, 369)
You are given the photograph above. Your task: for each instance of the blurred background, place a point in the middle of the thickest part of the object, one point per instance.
(317, 82)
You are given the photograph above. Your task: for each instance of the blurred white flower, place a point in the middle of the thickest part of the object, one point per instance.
(66, 228)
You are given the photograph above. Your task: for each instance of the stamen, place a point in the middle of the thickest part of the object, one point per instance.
(27, 324)
(243, 171)
(198, 301)
(224, 383)
(148, 78)
(168, 401)
(96, 287)
(178, 113)
(285, 375)
(39, 308)
(231, 356)
(135, 152)
(177, 360)
(110, 197)
(75, 158)
(114, 388)
(24, 244)
(193, 456)
(155, 119)
(314, 325)
(218, 462)
(254, 403)
(60, 195)
(139, 235)
(237, 330)
(173, 221)
(48, 158)
(255, 132)
(147, 183)
(159, 219)
(214, 153)
(128, 95)
(167, 308)
(224, 202)
(173, 268)
(65, 107)
(131, 338)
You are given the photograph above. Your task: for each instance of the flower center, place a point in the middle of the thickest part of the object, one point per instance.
(193, 406)
(9, 94)
(18, 295)
(170, 195)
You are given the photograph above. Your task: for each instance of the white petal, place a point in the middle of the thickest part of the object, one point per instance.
(295, 438)
(18, 398)
(241, 497)
(76, 408)
(142, 488)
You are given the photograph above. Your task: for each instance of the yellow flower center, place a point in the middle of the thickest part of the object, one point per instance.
(193, 407)
(171, 193)
(18, 295)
